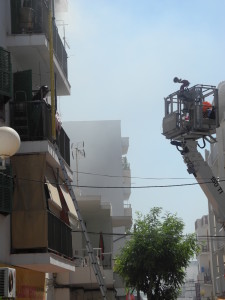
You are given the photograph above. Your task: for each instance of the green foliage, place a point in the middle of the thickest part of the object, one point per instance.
(156, 256)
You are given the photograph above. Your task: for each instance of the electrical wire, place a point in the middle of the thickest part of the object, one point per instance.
(134, 177)
(119, 234)
(113, 187)
(199, 238)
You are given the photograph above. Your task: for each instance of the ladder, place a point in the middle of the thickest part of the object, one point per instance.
(92, 257)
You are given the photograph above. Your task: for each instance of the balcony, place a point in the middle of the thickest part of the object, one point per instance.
(55, 257)
(205, 248)
(205, 277)
(104, 260)
(125, 145)
(125, 219)
(32, 121)
(127, 210)
(29, 43)
(126, 178)
(84, 274)
(59, 236)
(41, 237)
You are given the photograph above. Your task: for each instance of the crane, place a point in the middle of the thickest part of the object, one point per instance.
(192, 114)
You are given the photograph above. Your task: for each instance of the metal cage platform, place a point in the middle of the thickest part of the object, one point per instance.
(192, 113)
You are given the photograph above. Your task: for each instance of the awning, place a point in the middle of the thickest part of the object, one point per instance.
(53, 191)
(68, 200)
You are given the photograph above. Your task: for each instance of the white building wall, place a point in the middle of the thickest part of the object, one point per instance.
(216, 160)
(101, 167)
(103, 153)
(188, 289)
(204, 258)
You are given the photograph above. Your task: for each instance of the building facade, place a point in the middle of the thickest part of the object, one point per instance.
(215, 159)
(36, 212)
(40, 234)
(102, 187)
(213, 251)
(188, 290)
(204, 278)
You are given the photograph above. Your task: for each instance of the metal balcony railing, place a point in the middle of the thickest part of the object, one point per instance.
(205, 248)
(103, 259)
(32, 121)
(207, 278)
(33, 18)
(59, 236)
(126, 165)
(63, 143)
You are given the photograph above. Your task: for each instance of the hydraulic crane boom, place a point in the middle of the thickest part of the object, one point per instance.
(197, 166)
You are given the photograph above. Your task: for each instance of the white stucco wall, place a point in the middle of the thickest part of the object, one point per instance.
(103, 153)
(103, 156)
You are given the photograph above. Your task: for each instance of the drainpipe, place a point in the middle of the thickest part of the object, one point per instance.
(52, 76)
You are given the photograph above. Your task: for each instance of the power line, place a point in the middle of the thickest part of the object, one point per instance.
(198, 237)
(113, 187)
(132, 177)
(135, 177)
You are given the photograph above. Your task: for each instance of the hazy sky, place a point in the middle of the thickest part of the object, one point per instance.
(123, 57)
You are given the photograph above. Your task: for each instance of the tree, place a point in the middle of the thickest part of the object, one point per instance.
(154, 259)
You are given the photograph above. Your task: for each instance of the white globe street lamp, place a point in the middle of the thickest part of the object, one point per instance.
(9, 143)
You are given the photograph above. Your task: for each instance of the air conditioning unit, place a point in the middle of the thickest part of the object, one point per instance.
(7, 282)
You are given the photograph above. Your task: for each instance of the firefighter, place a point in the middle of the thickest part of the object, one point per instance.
(185, 83)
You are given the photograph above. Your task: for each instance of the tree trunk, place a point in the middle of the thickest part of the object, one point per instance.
(157, 286)
(149, 293)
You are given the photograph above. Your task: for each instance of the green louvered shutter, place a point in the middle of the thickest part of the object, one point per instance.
(6, 187)
(5, 74)
(15, 10)
(22, 85)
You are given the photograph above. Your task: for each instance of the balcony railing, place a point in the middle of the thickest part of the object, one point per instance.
(205, 276)
(59, 236)
(126, 165)
(58, 233)
(103, 259)
(32, 121)
(32, 18)
(205, 248)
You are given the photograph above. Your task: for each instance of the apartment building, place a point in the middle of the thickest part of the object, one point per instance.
(215, 159)
(188, 290)
(102, 185)
(204, 278)
(216, 229)
(40, 234)
(36, 212)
